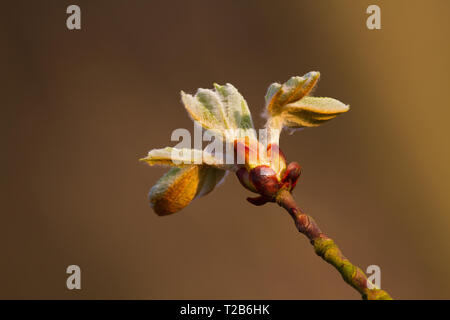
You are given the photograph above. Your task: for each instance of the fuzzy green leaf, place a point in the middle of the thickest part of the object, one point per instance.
(311, 112)
(223, 109)
(294, 89)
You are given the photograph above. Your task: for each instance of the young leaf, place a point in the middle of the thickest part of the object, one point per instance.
(179, 186)
(311, 112)
(236, 109)
(294, 89)
(221, 110)
(204, 108)
(182, 157)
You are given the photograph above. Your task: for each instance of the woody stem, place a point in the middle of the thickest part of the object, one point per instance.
(328, 250)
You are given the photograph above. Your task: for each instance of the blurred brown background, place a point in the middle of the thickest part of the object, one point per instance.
(80, 107)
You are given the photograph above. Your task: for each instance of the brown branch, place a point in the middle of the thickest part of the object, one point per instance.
(328, 250)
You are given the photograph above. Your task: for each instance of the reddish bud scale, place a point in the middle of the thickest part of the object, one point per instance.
(265, 180)
(244, 178)
(291, 175)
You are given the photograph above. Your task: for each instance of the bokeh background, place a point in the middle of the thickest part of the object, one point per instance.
(80, 107)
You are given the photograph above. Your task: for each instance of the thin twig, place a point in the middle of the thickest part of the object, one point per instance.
(328, 250)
